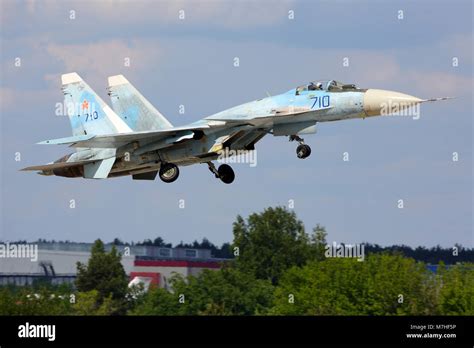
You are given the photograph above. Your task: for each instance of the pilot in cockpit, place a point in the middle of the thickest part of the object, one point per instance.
(315, 87)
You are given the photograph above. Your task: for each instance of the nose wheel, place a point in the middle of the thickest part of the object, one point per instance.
(303, 150)
(225, 172)
(169, 172)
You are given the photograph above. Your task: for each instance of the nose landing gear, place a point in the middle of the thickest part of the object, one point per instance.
(224, 172)
(302, 151)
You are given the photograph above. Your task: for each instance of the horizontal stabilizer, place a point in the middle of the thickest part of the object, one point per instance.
(57, 165)
(67, 140)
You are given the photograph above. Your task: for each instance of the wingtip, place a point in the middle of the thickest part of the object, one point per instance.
(44, 142)
(117, 80)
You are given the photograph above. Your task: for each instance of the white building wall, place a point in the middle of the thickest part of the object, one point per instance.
(64, 262)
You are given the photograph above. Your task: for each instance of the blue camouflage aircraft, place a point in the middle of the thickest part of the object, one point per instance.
(136, 139)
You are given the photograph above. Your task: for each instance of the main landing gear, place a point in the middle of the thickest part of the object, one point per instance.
(303, 150)
(224, 172)
(169, 172)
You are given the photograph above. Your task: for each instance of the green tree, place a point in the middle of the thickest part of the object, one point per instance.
(158, 301)
(34, 301)
(104, 273)
(381, 285)
(456, 290)
(271, 242)
(222, 292)
(319, 240)
(89, 303)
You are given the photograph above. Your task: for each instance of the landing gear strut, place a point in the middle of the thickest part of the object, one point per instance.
(224, 172)
(169, 172)
(303, 150)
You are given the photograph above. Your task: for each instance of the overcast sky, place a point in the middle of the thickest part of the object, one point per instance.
(190, 62)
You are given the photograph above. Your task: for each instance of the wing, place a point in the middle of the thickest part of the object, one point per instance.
(117, 140)
(176, 134)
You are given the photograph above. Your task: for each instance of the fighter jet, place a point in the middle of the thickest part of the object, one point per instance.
(136, 139)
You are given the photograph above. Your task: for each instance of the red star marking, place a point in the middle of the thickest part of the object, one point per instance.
(85, 105)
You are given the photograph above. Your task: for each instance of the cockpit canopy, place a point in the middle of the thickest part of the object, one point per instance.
(331, 85)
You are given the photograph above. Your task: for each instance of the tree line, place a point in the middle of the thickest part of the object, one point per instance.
(433, 255)
(279, 269)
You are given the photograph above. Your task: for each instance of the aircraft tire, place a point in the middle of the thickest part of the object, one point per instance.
(169, 172)
(226, 173)
(303, 151)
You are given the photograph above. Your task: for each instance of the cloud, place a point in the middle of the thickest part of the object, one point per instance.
(12, 98)
(441, 84)
(105, 58)
(459, 45)
(218, 14)
(368, 68)
(7, 98)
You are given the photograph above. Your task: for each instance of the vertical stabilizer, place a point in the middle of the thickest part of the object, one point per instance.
(133, 108)
(87, 112)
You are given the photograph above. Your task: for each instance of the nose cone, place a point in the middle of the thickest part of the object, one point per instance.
(381, 102)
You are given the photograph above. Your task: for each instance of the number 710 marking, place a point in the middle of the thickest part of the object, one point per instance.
(93, 116)
(321, 102)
